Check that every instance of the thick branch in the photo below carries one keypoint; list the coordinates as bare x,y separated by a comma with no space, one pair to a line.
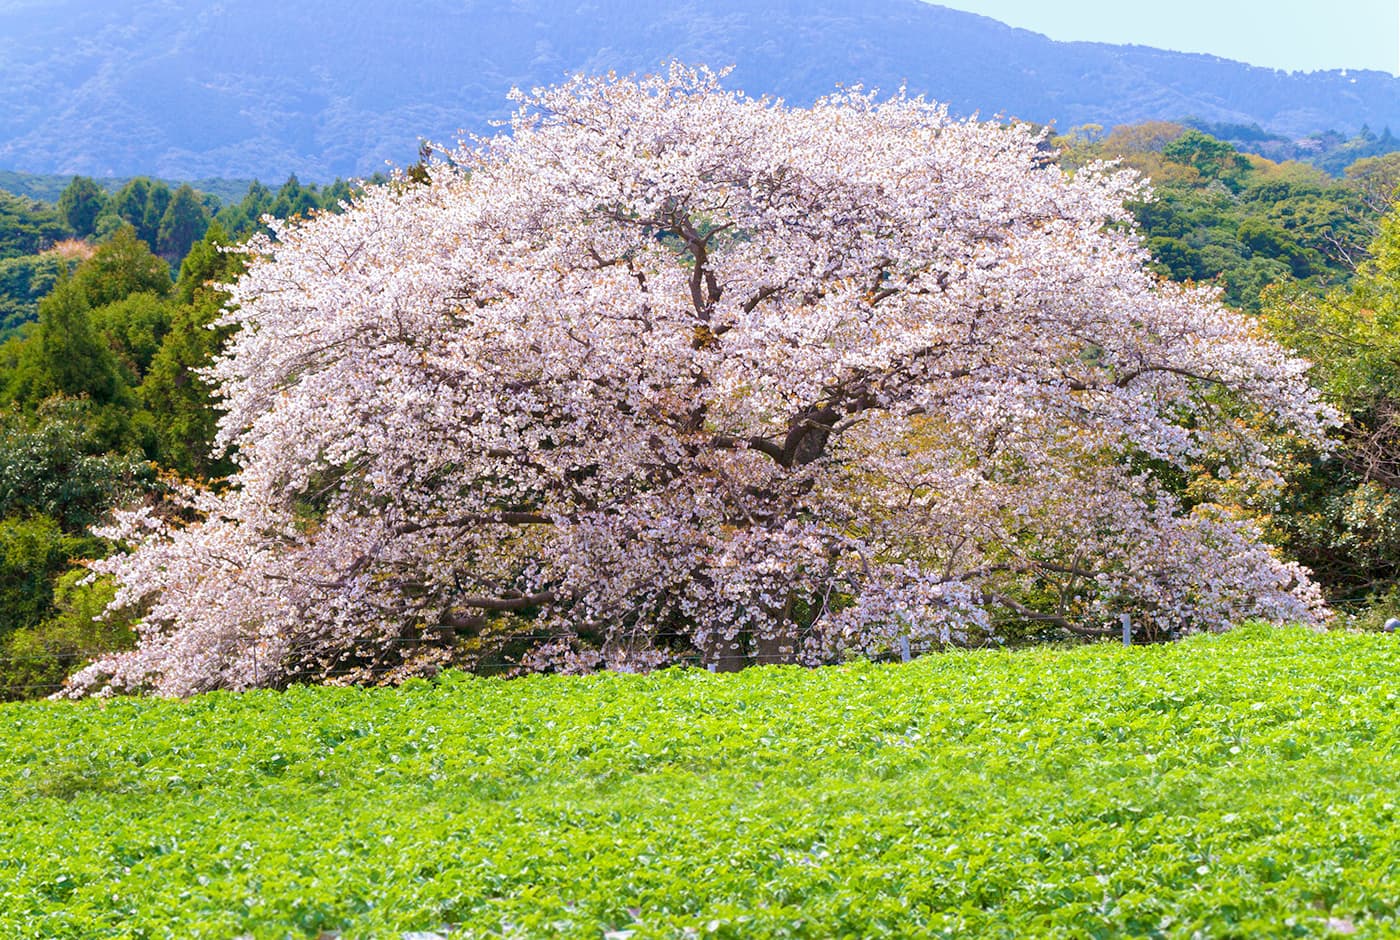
760,444
763,294
807,436
1127,378
1028,613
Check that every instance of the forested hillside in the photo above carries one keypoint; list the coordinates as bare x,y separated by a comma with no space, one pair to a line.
188,90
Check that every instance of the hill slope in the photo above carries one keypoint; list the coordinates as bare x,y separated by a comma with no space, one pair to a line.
1235,786
191,89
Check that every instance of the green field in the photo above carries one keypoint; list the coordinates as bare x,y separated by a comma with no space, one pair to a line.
1236,786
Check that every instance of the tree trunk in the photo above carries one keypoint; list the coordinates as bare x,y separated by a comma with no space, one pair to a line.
778,650
721,654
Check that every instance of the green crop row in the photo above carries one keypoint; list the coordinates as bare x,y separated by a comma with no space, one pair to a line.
1235,786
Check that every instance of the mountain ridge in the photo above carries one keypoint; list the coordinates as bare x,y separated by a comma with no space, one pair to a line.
189,89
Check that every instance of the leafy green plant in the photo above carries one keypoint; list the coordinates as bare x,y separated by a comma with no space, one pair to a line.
1234,786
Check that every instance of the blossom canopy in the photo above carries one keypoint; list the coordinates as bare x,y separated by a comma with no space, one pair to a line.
667,373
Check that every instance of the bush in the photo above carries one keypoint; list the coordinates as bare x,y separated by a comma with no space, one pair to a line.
34,661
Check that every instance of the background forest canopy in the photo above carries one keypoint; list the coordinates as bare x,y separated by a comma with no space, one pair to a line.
107,297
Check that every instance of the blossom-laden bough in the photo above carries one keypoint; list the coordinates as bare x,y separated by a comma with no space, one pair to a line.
667,373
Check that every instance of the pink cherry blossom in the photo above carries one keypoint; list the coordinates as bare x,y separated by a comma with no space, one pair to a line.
667,373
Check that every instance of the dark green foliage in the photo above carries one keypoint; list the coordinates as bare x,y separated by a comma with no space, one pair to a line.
207,266
27,227
58,477
49,187
80,204
122,266
1365,144
33,550
1213,159
105,379
183,224
243,216
1327,225
1330,151
293,199
24,281
339,191
128,206
177,398
141,203
1342,511
158,200
1236,133
57,463
1243,223
1264,239
96,335
65,355
34,660
133,329
170,222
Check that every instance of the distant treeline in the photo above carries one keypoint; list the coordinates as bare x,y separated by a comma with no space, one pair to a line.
40,241
47,187
1331,151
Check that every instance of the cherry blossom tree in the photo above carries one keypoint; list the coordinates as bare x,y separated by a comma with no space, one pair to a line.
670,374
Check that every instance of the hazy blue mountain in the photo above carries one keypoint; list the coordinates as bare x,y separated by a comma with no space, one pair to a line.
187,89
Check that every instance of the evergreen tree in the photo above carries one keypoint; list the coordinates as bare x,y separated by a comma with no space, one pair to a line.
80,205
121,267
133,328
32,553
183,224
54,464
177,397
293,199
243,217
336,193
27,227
1341,514
68,356
24,282
157,201
128,206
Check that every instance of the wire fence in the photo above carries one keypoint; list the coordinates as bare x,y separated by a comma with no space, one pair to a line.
487,666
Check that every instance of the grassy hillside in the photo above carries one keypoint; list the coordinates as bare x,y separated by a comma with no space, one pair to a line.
1224,787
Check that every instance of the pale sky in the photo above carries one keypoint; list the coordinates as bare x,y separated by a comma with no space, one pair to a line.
1286,34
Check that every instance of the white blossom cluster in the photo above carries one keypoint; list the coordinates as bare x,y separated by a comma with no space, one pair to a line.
667,372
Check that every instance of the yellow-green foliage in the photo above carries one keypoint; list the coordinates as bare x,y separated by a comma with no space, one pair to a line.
1341,515
1241,786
